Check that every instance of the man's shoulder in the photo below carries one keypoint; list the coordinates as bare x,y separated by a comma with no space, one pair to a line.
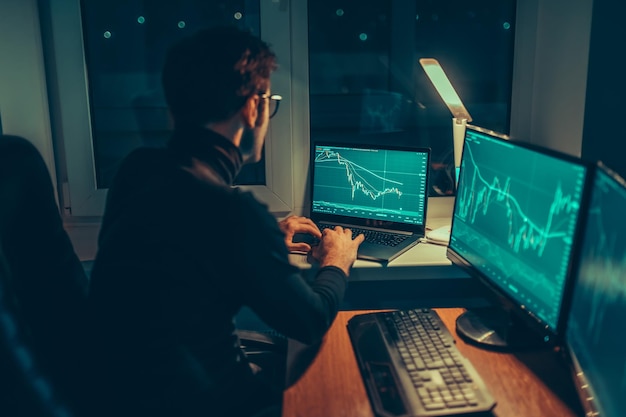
145,158
232,202
139,170
249,199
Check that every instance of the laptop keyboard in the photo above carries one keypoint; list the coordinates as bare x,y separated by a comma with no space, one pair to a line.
373,236
442,381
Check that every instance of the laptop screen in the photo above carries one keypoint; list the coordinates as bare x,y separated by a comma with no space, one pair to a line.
371,183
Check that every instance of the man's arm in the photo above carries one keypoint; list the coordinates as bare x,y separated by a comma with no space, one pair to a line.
279,294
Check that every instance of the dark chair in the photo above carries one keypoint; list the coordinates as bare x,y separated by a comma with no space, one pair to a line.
24,389
47,284
268,351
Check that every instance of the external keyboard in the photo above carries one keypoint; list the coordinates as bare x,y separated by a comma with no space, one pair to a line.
412,367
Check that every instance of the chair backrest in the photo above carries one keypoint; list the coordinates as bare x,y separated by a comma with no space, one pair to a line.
24,389
47,280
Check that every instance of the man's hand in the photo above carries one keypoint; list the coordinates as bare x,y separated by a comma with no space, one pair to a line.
301,225
337,248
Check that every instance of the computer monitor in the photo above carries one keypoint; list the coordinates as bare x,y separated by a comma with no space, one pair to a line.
595,328
515,221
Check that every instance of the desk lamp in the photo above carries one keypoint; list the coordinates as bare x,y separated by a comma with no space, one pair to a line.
460,118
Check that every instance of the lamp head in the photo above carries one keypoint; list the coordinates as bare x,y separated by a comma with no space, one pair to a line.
442,84
460,115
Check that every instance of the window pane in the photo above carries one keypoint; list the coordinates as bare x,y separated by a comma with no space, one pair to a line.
125,44
366,84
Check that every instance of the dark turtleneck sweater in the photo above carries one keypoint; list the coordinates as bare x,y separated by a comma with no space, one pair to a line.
178,257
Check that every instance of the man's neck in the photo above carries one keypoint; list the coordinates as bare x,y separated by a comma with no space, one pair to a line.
231,129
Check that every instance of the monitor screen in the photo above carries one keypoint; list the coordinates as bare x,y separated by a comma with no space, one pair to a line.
514,224
595,330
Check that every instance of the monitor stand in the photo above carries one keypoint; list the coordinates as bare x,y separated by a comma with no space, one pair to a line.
496,328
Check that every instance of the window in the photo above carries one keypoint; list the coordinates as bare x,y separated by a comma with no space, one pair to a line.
347,71
125,44
104,65
366,84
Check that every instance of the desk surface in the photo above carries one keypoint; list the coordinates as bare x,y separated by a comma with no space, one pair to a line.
422,276
530,384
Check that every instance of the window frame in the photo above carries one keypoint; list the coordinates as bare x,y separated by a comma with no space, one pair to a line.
74,130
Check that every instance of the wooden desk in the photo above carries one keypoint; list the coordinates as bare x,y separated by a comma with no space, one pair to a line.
532,384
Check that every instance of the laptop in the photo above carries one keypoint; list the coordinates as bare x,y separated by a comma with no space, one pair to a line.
381,190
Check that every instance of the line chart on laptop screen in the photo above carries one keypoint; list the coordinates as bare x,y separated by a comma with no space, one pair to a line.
390,184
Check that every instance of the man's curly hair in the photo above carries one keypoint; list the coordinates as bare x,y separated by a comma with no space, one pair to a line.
207,77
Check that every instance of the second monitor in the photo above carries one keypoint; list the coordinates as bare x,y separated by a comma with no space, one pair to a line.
594,338
515,220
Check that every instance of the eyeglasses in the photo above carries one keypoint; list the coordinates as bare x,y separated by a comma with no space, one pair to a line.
274,102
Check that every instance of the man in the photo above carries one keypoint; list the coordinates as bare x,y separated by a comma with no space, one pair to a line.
181,250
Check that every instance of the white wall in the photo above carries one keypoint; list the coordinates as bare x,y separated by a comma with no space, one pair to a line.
23,96
550,77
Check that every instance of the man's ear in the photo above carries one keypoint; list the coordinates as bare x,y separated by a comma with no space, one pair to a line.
250,111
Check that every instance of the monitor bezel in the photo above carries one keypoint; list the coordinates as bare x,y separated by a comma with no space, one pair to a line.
546,336
418,228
